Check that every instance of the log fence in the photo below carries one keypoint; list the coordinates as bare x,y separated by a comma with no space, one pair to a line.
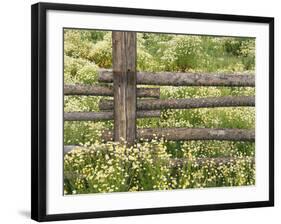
99,90
184,134
105,115
131,102
185,79
190,103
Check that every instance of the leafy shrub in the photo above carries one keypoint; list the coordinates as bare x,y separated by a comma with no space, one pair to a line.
101,52
79,71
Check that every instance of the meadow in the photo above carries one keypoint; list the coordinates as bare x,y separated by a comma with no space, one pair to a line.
95,166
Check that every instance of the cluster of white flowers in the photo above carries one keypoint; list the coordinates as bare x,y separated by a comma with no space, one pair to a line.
112,167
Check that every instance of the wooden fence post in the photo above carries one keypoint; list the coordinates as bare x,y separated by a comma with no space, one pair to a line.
124,85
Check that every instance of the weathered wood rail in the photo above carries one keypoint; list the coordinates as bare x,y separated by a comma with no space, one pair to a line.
185,79
105,115
189,103
184,134
179,162
98,90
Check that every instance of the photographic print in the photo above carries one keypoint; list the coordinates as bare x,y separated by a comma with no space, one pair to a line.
140,111
194,112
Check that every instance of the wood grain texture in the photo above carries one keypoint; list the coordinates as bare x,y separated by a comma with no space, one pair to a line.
105,115
124,85
189,103
185,79
184,134
179,162
217,161
98,90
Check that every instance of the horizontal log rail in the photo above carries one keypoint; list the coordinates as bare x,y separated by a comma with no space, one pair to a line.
69,148
185,134
179,162
185,79
106,115
176,162
97,90
189,103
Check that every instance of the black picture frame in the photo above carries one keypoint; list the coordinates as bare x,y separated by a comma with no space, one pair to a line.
38,108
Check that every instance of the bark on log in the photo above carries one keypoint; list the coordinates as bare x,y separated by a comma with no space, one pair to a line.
175,164
96,90
106,115
178,162
185,79
151,104
69,148
124,57
185,134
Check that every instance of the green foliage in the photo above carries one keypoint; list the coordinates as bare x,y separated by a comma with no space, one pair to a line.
165,52
94,46
101,52
78,70
106,167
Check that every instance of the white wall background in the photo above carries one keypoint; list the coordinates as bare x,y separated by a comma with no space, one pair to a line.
15,110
